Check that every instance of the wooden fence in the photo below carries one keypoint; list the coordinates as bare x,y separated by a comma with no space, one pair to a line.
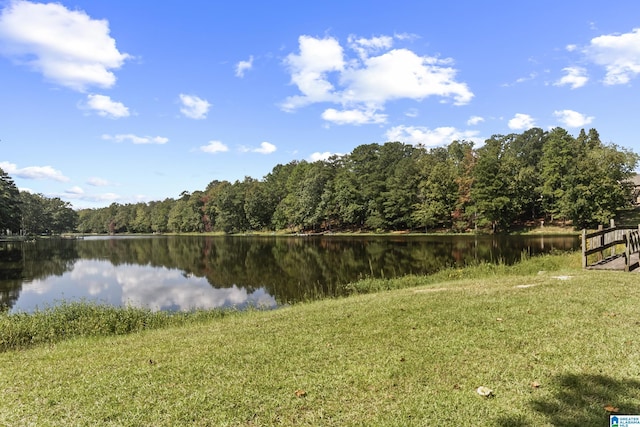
609,244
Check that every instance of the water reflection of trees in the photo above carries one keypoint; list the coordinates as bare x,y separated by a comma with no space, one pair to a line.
22,262
295,268
289,268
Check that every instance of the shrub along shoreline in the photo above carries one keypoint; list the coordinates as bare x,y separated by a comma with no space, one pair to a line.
557,345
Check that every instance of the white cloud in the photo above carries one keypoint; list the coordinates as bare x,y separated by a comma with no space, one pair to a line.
571,47
214,147
103,197
135,139
353,117
75,190
400,73
530,77
194,107
365,82
106,107
619,54
91,200
474,120
519,80
265,148
243,66
314,157
418,135
97,182
365,47
33,172
412,112
67,46
575,77
406,36
572,119
521,122
308,70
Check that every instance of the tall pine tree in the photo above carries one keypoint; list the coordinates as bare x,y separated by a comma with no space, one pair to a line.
9,204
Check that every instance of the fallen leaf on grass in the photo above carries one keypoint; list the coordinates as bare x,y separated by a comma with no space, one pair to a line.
300,393
499,319
484,391
535,384
611,408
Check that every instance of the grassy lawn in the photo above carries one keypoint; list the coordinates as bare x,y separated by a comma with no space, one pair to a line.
557,346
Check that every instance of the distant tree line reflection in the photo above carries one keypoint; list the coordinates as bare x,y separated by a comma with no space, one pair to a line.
288,268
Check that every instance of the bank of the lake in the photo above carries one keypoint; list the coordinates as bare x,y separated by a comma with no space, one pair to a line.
557,345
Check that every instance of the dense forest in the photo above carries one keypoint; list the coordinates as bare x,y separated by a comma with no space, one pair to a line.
27,213
511,180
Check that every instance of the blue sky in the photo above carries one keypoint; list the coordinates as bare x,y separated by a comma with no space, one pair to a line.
106,101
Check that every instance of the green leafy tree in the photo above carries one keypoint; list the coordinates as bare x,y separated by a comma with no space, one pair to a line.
372,166
464,161
33,213
60,215
349,203
597,189
286,214
309,208
142,218
258,206
47,215
522,157
493,191
400,195
228,203
160,215
328,209
9,204
558,163
186,213
277,188
437,189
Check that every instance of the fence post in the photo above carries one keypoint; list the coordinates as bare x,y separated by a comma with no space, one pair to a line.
601,253
627,250
584,247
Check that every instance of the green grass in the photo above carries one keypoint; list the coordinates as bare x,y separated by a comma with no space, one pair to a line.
408,356
86,319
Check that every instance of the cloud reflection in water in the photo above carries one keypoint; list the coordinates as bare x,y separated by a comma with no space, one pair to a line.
156,288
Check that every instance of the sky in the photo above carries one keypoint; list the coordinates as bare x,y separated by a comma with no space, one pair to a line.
114,101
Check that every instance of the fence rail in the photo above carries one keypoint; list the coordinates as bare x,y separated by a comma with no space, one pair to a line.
610,243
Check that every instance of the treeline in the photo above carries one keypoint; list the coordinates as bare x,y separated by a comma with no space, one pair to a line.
512,179
26,213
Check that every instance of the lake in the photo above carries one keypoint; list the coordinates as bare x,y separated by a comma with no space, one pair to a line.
201,272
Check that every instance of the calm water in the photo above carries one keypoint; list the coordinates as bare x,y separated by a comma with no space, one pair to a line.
188,272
